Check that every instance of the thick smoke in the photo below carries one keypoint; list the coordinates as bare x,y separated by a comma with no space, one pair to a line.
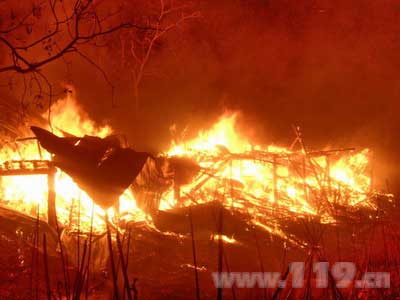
329,66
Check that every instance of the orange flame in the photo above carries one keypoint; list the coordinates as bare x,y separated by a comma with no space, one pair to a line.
254,179
28,194
250,178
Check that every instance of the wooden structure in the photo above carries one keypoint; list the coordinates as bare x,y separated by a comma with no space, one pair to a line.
35,167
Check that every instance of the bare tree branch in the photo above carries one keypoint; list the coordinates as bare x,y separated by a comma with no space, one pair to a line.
163,25
63,28
82,13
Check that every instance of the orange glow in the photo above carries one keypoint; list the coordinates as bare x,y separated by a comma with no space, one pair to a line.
255,180
28,194
224,238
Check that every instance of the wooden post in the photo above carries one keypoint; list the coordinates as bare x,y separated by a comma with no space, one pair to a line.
372,182
304,171
275,179
51,197
328,175
177,193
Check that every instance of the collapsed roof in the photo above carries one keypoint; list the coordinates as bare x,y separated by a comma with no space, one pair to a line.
100,166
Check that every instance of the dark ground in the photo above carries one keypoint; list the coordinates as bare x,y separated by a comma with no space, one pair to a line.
162,260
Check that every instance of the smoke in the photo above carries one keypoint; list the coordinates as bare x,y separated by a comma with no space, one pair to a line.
329,67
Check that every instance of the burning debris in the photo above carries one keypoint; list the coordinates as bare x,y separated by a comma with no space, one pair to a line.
228,190
101,167
218,165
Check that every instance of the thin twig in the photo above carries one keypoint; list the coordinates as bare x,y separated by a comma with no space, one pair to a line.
46,267
196,275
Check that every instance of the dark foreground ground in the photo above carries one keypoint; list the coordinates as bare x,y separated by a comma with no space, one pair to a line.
159,259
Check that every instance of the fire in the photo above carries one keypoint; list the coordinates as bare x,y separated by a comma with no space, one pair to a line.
28,194
224,238
67,115
253,179
257,180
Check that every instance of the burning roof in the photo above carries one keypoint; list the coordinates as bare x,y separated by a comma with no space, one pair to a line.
101,167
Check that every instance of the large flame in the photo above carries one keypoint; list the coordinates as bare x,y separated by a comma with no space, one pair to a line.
253,179
28,194
256,179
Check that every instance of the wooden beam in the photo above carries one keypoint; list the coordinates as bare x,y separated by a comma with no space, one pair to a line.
36,167
51,198
25,167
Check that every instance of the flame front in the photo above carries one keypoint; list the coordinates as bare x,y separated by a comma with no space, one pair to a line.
255,180
28,194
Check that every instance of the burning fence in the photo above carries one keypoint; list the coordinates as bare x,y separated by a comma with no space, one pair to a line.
219,164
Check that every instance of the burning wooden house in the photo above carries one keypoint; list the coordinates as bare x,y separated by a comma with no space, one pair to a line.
217,188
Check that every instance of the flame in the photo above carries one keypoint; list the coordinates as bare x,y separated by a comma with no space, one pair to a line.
66,114
259,181
224,238
28,194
